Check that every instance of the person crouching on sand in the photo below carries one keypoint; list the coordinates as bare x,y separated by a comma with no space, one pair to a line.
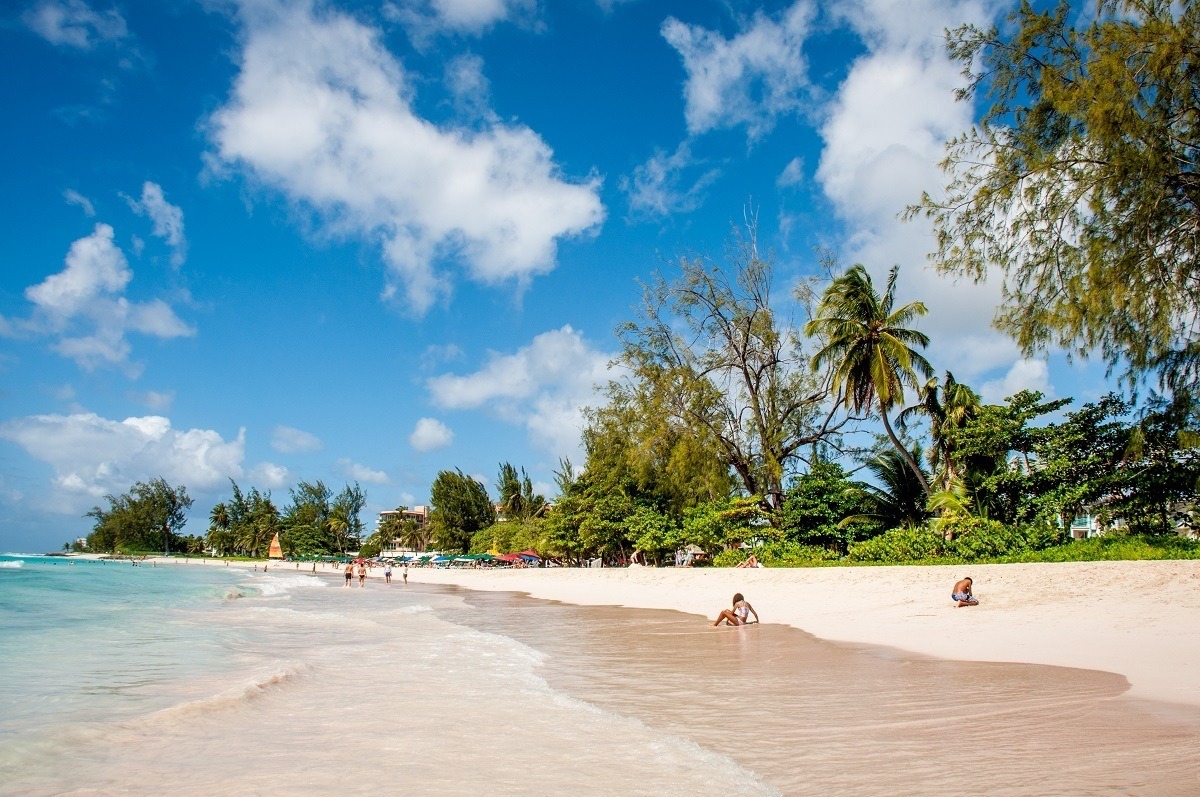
739,614
962,593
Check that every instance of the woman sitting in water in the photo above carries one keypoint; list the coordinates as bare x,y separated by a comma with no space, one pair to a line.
740,613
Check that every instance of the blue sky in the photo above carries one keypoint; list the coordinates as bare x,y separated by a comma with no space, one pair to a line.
275,240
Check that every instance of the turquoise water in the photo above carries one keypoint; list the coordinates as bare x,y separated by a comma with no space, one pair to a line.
84,638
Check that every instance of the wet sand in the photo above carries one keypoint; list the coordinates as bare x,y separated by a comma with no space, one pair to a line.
818,717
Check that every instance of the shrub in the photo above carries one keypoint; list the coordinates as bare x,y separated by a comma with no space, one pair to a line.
900,545
780,553
977,538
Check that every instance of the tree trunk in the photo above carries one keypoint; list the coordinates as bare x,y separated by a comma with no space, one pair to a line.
904,452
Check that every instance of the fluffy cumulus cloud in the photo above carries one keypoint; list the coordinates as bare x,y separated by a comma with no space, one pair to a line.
751,79
92,456
269,475
543,387
166,218
430,434
659,187
884,134
73,23
321,111
85,307
361,473
288,440
1025,374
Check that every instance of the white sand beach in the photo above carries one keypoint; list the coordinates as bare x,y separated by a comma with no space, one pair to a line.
1138,619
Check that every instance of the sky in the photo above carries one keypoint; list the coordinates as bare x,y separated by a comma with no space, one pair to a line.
274,240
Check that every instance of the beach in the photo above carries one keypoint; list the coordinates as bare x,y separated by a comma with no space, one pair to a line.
186,677
1138,619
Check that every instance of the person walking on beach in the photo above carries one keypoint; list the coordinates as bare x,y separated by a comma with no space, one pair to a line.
362,574
387,573
962,593
349,572
404,574
739,614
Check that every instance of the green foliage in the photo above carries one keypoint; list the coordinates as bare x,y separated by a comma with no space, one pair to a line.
511,536
967,539
780,553
818,503
518,501
1081,183
461,507
147,518
897,498
1118,547
717,383
652,532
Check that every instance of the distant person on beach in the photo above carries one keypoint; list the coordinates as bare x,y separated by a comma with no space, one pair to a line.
962,593
387,573
362,574
404,573
751,562
739,614
349,572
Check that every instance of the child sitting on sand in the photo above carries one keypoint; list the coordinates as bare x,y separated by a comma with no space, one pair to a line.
962,593
740,613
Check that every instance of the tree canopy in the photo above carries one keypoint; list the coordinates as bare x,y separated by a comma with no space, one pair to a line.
1081,184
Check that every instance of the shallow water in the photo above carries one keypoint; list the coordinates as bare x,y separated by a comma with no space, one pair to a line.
202,680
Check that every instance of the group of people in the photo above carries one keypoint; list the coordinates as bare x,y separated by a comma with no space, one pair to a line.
961,594
360,567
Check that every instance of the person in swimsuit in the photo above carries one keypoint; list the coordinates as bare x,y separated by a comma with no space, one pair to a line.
404,573
962,593
362,574
739,614
387,573
349,572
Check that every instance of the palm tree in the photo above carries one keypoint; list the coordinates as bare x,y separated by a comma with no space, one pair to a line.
870,346
949,407
899,498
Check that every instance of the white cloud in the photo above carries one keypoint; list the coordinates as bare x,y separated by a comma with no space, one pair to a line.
424,18
751,79
469,86
287,440
269,475
543,387
159,401
884,134
361,473
792,174
1024,374
87,297
656,189
92,456
167,219
75,198
73,23
430,434
321,111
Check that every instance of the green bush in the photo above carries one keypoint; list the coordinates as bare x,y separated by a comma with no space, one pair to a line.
778,554
1118,547
900,545
975,539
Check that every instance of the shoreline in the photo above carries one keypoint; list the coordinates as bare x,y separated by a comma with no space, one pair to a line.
1138,619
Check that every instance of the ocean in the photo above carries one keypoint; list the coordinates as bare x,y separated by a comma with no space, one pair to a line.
202,680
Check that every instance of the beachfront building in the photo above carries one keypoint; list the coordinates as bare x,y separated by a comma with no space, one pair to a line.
419,515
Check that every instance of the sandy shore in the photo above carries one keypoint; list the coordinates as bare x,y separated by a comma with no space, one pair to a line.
1139,619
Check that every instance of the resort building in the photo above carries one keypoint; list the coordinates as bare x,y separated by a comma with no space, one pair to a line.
419,515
